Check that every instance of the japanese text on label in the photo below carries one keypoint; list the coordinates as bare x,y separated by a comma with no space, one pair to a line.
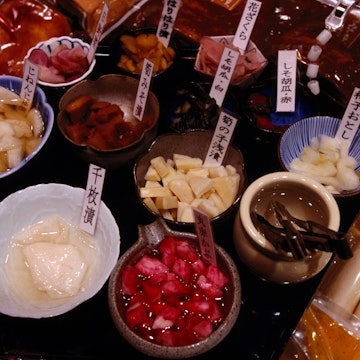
205,236
221,139
167,20
351,120
223,75
286,81
99,30
246,25
92,199
29,82
143,89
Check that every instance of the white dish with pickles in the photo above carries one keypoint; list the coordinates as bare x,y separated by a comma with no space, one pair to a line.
48,265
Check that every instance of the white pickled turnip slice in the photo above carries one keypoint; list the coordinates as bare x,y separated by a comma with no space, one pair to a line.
20,128
35,119
8,142
6,129
9,97
15,156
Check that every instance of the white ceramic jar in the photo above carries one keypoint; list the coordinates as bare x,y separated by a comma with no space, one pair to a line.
304,198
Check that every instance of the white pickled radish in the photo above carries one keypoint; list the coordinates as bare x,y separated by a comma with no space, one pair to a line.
314,86
312,71
314,53
8,142
326,161
21,128
310,155
35,118
15,156
347,178
9,97
328,144
324,37
6,129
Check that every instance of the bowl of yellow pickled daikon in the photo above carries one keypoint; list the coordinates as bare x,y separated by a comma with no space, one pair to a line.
137,44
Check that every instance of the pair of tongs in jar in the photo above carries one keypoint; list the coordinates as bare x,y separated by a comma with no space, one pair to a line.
299,236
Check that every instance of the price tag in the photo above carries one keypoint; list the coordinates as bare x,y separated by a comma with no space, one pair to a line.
204,233
221,139
167,20
92,199
223,75
28,85
351,120
286,81
99,29
246,25
143,89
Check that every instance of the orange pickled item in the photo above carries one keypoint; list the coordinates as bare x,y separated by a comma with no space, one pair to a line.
328,339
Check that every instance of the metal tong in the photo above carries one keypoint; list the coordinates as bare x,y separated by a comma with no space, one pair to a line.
300,237
336,18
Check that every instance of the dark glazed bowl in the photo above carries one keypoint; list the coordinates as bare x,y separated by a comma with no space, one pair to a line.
120,90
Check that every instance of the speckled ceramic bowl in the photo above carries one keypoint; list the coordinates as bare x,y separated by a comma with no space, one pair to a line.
193,143
150,236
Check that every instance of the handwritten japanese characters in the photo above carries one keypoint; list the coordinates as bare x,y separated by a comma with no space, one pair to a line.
92,200
246,25
28,86
223,75
167,20
286,81
143,89
221,139
351,119
206,239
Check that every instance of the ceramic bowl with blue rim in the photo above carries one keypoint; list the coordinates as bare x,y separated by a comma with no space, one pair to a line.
11,128
51,48
302,133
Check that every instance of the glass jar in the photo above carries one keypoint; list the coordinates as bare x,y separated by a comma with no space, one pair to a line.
330,326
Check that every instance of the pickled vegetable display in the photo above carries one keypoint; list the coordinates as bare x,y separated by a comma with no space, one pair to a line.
20,130
171,296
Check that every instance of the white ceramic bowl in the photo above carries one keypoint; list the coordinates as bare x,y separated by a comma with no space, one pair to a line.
48,47
304,198
150,236
30,205
13,83
299,135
